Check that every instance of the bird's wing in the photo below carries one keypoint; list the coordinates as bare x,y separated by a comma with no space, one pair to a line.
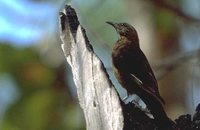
147,89
133,63
138,81
143,74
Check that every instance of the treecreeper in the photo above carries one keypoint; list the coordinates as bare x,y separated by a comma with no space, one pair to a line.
134,72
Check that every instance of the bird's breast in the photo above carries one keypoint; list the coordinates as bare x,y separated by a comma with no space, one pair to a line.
122,55
119,75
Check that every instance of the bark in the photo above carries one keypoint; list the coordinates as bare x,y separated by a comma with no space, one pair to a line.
97,96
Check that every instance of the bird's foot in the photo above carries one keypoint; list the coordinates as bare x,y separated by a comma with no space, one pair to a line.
129,98
145,110
136,104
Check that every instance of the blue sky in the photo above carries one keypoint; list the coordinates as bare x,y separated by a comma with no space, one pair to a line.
24,22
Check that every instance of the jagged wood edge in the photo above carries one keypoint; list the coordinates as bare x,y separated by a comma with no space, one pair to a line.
97,96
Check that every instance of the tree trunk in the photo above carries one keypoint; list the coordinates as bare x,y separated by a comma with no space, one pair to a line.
97,96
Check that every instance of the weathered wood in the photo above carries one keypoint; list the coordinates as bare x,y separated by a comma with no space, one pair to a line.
103,109
97,96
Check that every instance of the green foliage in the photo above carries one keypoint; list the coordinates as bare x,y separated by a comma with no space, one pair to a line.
45,102
165,21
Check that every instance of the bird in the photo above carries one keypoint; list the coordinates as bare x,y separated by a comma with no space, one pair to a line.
134,72
130,65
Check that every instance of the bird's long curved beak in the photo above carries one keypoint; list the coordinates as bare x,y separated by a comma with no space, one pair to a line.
111,23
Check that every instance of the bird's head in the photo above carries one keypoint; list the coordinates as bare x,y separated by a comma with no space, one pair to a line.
126,30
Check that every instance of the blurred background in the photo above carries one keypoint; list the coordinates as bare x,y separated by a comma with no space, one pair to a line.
37,91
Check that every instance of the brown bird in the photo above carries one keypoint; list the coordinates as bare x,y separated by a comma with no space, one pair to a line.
134,73
130,65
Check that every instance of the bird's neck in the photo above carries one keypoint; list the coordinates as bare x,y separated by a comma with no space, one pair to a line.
133,40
